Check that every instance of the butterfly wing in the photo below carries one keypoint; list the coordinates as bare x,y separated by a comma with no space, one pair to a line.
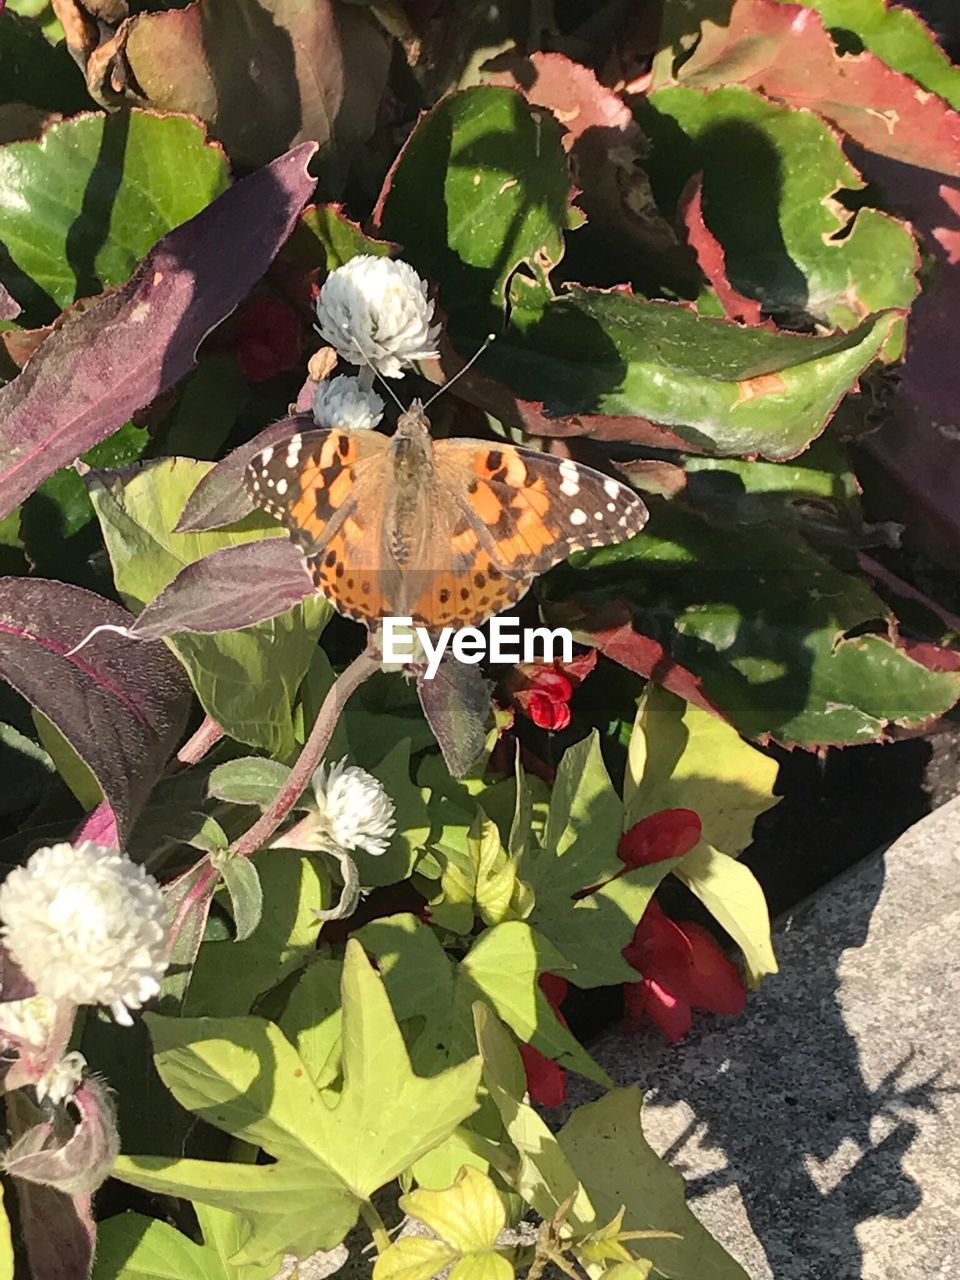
508,515
327,488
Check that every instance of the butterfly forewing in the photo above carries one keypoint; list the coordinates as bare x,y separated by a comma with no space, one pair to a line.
456,540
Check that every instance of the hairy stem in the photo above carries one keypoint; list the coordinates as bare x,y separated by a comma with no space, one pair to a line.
196,747
301,773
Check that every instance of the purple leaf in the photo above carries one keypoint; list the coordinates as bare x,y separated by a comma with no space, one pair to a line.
220,498
456,703
98,826
228,589
58,1229
90,375
121,706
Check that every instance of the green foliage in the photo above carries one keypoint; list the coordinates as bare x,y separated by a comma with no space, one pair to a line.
95,193
359,998
246,680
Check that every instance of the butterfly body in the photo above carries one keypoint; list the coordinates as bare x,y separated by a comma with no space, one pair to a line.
447,532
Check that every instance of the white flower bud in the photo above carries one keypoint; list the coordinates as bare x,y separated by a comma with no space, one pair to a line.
86,925
61,1081
342,402
376,310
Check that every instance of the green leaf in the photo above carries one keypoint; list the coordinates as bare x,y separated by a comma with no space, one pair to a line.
545,1178
413,1258
479,880
246,896
771,177
230,975
718,386
896,35
249,780
759,623
131,1246
732,894
501,968
481,186
78,776
682,757
326,237
94,194
606,1147
311,1020
582,831
467,1218
242,1075
411,817
584,821
246,680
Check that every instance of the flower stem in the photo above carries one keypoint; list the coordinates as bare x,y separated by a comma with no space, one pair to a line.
371,1216
350,679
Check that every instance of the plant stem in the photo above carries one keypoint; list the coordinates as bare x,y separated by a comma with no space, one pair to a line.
371,1216
350,679
196,747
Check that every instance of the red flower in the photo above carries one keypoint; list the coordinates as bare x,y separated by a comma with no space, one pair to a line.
668,834
268,338
546,1079
683,968
543,690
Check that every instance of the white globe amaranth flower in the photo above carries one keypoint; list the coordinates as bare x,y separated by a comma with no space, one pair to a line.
376,310
342,402
353,810
86,925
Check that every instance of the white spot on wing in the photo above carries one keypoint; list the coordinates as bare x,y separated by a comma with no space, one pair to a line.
577,516
611,488
293,451
569,478
281,487
266,455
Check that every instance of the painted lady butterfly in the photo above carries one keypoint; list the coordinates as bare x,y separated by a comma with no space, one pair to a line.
447,532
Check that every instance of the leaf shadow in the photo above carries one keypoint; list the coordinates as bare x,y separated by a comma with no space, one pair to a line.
90,229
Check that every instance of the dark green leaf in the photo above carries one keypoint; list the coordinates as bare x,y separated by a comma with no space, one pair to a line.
94,194
481,187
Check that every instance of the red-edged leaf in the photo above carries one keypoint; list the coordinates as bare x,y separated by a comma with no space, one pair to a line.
712,259
785,51
220,498
228,589
89,376
121,706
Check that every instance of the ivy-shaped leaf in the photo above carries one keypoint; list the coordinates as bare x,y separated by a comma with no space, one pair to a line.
243,1076
466,1220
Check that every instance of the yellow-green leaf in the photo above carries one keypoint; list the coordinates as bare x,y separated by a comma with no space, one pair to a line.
684,758
732,894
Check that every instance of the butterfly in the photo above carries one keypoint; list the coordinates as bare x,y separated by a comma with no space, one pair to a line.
446,532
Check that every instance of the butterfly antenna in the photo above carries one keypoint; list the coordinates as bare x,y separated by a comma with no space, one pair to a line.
491,337
370,365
